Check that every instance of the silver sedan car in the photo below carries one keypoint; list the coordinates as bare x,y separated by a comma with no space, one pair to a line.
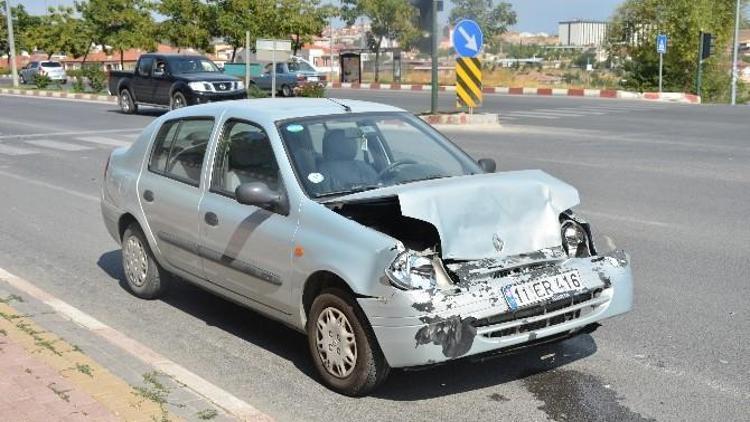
361,226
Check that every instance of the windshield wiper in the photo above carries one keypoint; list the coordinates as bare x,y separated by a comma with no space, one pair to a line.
353,189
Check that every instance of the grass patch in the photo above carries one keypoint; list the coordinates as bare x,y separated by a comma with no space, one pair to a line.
3,332
207,414
85,369
11,298
38,340
155,391
9,317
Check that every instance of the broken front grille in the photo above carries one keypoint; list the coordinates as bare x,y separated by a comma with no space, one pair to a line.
541,316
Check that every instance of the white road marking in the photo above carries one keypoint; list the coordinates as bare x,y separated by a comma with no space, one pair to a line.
12,150
535,116
101,140
61,146
69,133
50,186
573,111
639,221
221,398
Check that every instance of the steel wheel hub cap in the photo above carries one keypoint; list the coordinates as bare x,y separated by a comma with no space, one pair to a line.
337,346
135,262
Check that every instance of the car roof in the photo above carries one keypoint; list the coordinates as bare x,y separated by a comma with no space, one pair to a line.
276,109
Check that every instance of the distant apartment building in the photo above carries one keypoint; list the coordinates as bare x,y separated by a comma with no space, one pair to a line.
583,33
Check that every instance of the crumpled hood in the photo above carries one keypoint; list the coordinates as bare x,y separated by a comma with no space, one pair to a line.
522,207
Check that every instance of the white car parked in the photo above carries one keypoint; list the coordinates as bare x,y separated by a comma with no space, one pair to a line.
54,70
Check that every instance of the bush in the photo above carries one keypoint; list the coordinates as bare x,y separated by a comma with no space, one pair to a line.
41,81
78,84
96,76
311,90
254,92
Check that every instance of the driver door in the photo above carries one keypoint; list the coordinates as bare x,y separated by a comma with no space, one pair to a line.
246,249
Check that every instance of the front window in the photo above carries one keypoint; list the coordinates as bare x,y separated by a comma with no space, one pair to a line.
244,155
193,65
341,154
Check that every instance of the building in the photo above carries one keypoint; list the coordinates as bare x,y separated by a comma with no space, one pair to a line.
583,33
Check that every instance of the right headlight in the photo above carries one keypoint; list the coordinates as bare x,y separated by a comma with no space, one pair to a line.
575,239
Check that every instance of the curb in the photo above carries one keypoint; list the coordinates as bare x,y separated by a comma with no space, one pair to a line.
58,94
544,92
463,119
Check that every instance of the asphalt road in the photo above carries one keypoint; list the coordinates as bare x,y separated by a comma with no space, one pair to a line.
669,183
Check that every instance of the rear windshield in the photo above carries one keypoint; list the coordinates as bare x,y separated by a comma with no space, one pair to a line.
51,64
296,66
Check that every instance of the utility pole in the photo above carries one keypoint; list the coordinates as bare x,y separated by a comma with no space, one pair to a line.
247,60
11,44
435,87
330,78
735,53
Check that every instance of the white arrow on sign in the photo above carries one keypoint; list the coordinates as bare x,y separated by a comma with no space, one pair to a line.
471,40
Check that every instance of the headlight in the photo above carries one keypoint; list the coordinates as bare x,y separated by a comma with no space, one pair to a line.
240,85
200,86
410,271
575,239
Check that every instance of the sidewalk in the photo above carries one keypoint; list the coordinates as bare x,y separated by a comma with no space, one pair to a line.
44,377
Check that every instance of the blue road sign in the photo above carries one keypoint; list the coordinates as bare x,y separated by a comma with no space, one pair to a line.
467,38
661,44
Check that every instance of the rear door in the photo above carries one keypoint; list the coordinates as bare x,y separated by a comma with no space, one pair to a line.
170,192
142,80
247,249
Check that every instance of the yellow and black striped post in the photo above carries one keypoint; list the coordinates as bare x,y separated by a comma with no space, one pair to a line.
468,82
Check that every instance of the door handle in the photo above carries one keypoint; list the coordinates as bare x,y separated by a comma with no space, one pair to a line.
148,196
211,219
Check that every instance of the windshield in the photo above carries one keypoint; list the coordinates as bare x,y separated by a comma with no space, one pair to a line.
51,64
297,66
341,154
192,65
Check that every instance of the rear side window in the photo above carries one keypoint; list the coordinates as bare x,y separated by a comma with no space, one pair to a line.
180,148
144,66
51,64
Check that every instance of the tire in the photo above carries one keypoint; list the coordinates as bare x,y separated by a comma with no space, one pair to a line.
23,79
286,91
177,100
144,276
369,367
127,104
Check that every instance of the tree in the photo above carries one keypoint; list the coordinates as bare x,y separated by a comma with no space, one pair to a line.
494,19
389,19
60,32
187,23
632,43
301,20
120,24
234,17
22,20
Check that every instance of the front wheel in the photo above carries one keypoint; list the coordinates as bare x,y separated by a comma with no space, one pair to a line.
127,104
144,276
177,101
343,346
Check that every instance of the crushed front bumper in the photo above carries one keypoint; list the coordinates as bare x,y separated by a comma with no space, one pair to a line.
420,327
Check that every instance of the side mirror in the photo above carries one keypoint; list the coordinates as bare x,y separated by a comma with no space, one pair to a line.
260,195
488,165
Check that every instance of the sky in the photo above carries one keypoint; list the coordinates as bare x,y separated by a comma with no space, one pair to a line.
533,15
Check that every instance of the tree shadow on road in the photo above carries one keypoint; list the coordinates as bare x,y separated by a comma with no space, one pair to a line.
403,385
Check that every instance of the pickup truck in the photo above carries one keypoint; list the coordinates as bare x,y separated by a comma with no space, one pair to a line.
289,77
174,81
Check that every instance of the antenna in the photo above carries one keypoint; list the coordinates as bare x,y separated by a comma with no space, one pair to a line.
345,107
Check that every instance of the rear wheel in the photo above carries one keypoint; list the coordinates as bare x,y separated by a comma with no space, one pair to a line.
127,104
286,91
23,79
144,276
343,346
177,101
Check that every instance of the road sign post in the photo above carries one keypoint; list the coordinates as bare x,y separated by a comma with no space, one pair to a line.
273,50
11,44
661,48
467,41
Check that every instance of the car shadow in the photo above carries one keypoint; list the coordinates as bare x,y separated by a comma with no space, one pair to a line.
143,111
402,385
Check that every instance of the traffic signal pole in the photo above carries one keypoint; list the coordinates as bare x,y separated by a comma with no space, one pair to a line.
435,87
11,44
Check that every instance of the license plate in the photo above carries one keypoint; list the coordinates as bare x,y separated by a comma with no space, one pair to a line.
539,290
312,78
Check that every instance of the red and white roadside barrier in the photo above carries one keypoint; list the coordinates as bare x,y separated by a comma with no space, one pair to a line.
550,92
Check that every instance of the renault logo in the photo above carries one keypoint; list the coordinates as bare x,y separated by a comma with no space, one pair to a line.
497,242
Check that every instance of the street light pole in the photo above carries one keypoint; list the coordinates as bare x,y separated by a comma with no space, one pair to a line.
735,53
434,96
11,44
